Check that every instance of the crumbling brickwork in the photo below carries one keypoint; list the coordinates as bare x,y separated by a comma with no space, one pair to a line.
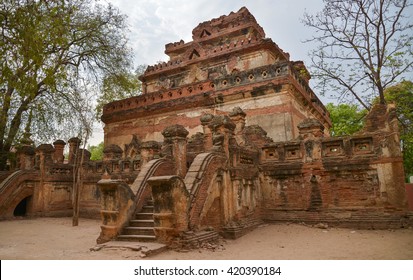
226,134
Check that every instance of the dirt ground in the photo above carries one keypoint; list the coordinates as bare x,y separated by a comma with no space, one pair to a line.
56,239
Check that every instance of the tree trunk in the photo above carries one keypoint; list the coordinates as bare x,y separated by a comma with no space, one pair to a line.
4,156
381,95
78,183
3,160
75,219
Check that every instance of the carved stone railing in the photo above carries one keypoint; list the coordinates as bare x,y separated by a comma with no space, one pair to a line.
372,159
12,190
171,203
197,181
335,148
120,201
243,156
141,188
117,201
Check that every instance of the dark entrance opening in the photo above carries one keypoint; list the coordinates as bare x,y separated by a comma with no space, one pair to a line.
21,208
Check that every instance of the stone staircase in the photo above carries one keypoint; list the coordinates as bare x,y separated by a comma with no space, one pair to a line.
141,228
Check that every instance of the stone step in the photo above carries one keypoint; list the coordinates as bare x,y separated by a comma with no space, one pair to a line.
140,228
147,209
144,216
193,238
138,231
141,223
137,238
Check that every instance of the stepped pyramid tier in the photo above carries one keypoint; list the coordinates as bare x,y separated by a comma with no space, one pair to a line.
229,63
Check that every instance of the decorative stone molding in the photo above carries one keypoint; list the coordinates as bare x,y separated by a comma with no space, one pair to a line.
175,147
149,150
74,144
310,128
206,119
117,199
112,152
59,146
25,157
171,204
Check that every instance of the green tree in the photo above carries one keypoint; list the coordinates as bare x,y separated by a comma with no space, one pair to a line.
402,95
119,86
346,119
53,56
363,46
96,151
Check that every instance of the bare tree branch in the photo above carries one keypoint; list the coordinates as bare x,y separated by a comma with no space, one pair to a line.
363,47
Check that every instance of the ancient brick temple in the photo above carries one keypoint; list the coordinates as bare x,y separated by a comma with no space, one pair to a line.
226,134
229,63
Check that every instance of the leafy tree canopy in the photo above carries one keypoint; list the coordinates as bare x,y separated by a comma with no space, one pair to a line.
346,119
53,57
96,151
119,86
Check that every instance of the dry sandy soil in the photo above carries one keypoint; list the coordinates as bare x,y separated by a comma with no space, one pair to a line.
56,239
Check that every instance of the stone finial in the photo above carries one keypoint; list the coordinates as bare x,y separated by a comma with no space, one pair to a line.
310,128
150,145
206,119
45,148
59,143
237,115
59,146
222,121
74,144
176,130
112,148
222,133
237,111
174,146
45,152
74,140
112,151
149,150
25,155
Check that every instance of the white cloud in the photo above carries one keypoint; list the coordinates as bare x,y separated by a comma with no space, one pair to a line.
154,23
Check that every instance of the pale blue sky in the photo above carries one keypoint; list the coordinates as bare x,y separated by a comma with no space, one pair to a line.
154,23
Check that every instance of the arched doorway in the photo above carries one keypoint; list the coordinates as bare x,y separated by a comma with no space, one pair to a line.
21,208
